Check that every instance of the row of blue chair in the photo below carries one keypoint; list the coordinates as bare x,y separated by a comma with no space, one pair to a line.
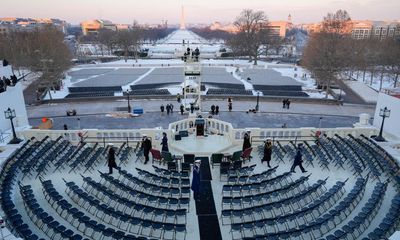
144,189
44,221
98,189
148,177
295,201
247,176
135,225
278,215
354,228
257,187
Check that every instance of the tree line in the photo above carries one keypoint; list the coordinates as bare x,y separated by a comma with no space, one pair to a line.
332,52
125,42
40,50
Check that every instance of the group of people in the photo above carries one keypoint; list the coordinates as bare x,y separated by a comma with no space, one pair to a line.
286,103
169,108
214,109
7,82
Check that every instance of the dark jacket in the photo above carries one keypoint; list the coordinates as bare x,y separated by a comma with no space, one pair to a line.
196,179
146,145
298,158
164,143
111,158
246,142
267,152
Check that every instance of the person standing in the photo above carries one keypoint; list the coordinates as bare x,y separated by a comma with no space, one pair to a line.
267,152
168,108
298,161
146,145
196,180
213,109
246,141
287,103
182,109
162,109
178,98
284,103
171,108
230,104
164,143
111,159
65,127
216,110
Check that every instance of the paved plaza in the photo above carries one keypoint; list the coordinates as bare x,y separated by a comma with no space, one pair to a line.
271,115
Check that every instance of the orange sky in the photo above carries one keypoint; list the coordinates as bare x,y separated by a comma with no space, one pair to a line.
197,11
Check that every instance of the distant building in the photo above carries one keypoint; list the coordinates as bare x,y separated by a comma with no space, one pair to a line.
29,24
279,28
93,26
365,29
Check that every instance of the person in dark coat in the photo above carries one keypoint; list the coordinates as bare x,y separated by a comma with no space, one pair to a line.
196,180
162,109
164,143
284,103
146,145
168,107
298,160
171,108
111,159
191,107
182,109
246,141
178,98
65,127
267,152
213,109
216,110
287,103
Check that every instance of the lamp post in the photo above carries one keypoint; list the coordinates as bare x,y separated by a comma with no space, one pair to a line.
128,92
258,100
384,113
10,114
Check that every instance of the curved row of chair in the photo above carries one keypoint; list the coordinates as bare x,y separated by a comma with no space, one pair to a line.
257,198
140,188
169,173
155,179
8,178
49,226
277,214
355,227
102,191
390,222
134,225
296,201
244,175
259,187
307,229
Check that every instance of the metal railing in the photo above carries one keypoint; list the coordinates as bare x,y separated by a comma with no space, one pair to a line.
114,140
294,139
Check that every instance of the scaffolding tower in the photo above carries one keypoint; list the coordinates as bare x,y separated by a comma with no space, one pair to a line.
192,86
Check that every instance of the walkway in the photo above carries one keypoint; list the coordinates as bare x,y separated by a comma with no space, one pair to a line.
205,208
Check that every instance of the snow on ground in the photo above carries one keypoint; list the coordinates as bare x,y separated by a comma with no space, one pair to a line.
387,82
367,93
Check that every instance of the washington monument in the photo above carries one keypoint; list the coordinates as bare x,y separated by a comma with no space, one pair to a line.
183,25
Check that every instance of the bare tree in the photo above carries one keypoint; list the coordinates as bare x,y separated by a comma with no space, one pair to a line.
327,52
40,50
252,32
107,38
129,41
